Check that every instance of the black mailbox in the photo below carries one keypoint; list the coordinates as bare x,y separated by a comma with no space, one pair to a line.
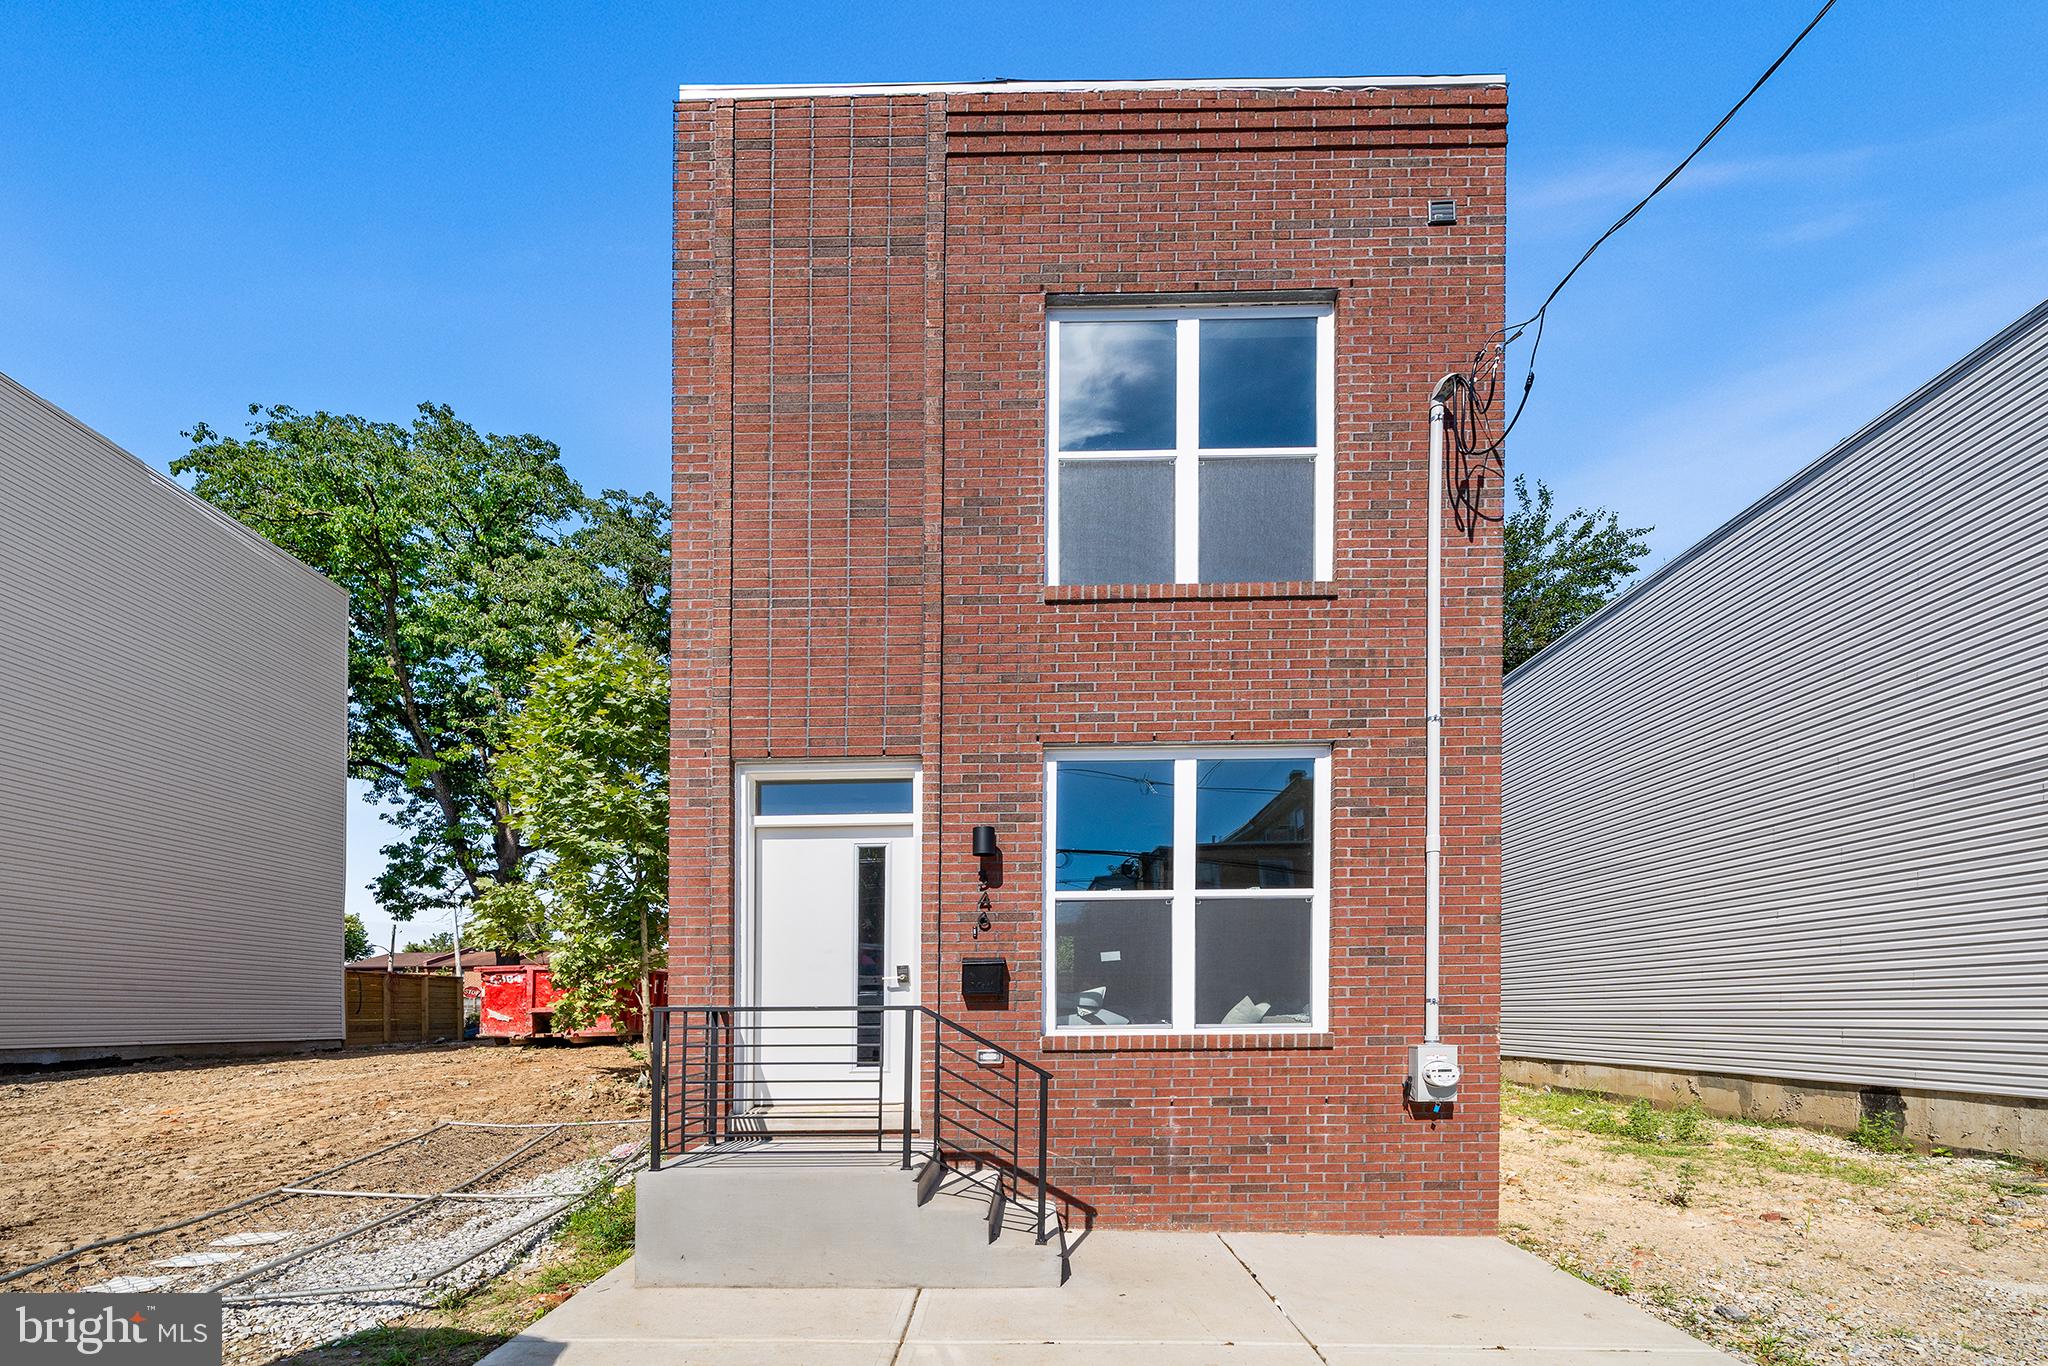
984,978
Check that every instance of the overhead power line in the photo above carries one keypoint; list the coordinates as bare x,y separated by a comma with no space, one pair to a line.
1479,384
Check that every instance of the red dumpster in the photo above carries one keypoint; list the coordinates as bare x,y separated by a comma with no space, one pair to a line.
516,1001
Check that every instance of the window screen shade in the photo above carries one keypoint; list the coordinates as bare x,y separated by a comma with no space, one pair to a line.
1258,520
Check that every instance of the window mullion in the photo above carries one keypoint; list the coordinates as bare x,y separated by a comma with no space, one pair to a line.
1187,437
1184,771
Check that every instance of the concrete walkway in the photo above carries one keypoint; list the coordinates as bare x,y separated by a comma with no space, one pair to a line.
1145,1299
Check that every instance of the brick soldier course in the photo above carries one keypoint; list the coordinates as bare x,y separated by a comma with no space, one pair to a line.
861,286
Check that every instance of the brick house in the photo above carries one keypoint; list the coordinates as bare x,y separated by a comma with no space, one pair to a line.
1054,458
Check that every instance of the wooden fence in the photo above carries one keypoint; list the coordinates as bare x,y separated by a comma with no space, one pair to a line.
400,1007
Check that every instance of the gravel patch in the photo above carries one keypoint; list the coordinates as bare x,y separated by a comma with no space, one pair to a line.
493,1197
411,1250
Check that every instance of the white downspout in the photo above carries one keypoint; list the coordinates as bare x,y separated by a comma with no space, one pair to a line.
1433,722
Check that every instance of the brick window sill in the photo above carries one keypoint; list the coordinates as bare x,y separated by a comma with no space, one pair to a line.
1110,1041
1188,592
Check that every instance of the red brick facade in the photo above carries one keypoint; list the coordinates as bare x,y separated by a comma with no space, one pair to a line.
860,307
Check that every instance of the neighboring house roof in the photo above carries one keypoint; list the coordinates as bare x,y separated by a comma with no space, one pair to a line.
1626,600
161,480
763,92
443,960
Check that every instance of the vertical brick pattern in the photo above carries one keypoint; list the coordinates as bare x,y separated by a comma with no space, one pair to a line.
700,690
996,201
828,250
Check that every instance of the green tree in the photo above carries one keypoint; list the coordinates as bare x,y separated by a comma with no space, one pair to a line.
355,938
1559,570
584,771
441,941
464,556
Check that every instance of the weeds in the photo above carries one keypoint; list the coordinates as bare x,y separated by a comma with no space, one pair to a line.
1772,1349
1688,1185
1611,1279
1641,1124
1689,1126
593,1240
397,1345
1738,1150
1881,1132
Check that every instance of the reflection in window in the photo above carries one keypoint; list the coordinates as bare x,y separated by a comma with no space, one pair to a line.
1258,382
1253,823
833,797
1113,963
1116,386
1190,445
1115,826
870,920
1252,961
1187,890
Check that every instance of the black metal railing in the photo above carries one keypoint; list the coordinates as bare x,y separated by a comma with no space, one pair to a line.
727,1079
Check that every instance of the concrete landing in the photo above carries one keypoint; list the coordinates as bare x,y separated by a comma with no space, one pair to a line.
782,1216
1148,1299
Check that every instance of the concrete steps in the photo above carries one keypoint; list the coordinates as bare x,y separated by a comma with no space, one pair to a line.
791,1214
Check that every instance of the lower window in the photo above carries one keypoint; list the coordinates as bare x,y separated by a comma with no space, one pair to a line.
1188,890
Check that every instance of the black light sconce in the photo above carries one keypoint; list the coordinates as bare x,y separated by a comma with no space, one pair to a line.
984,850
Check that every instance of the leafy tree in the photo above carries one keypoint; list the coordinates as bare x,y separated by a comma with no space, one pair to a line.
464,556
355,938
1560,569
441,941
584,772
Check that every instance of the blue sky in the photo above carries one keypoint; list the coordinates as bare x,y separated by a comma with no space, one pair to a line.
359,207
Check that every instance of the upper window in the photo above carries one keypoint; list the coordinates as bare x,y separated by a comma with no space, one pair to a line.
1190,445
1188,891
832,797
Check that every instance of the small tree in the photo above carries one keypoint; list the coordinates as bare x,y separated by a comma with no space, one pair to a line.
355,938
1559,570
440,941
584,772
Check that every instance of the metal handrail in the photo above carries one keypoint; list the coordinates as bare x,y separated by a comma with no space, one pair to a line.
697,1102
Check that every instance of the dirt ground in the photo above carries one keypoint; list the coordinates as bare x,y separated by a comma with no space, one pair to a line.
1781,1246
90,1153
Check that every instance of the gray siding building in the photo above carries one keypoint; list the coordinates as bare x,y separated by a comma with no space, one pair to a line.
1775,822
173,718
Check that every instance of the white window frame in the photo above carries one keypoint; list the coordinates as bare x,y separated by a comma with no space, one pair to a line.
1186,453
1184,893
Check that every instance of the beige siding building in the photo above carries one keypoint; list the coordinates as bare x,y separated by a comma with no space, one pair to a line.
1775,822
173,718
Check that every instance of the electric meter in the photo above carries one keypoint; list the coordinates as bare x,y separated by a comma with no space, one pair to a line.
1433,1073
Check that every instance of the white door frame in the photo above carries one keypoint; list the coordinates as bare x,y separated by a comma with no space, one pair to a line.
746,975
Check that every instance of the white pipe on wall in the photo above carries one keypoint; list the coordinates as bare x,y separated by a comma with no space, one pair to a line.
1433,722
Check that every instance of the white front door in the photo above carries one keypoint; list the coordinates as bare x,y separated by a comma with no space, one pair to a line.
835,925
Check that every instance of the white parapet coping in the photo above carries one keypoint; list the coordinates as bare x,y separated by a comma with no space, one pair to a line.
770,92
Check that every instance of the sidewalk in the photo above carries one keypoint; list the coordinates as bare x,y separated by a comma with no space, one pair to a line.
1145,1299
